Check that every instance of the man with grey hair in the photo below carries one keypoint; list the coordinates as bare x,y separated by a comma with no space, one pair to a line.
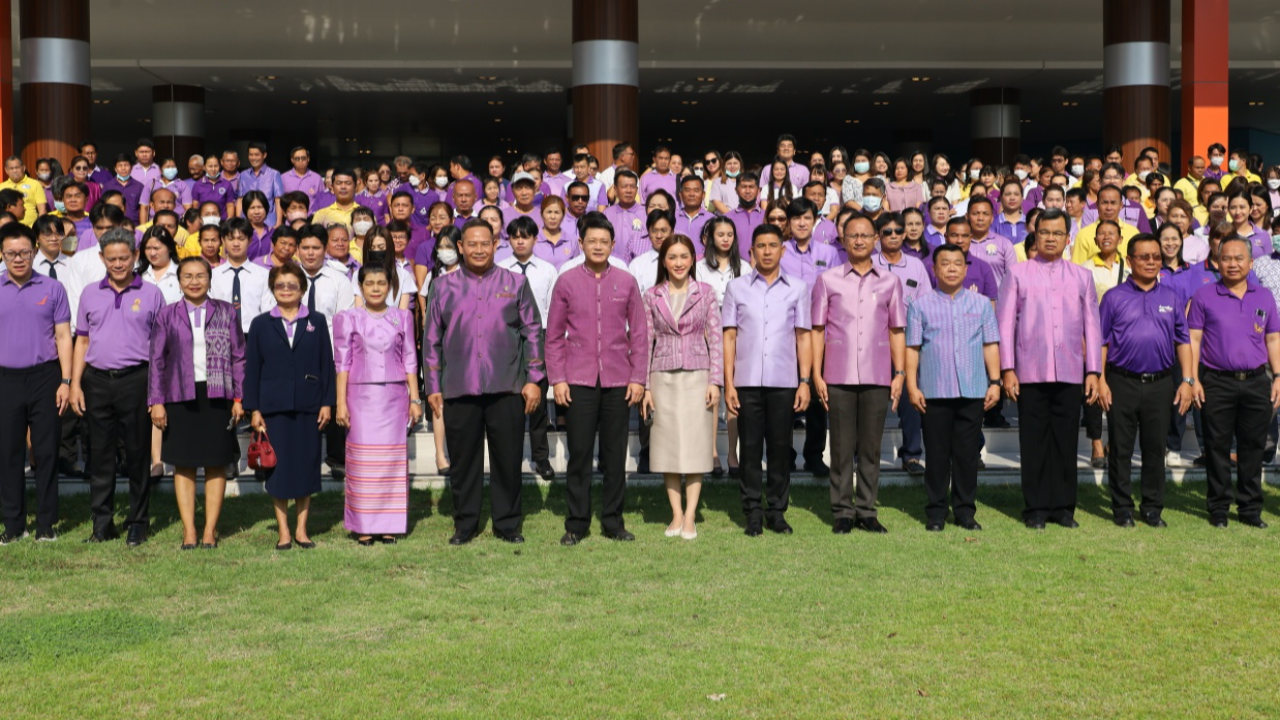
109,383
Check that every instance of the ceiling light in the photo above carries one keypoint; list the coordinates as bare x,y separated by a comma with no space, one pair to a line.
101,102
488,77
497,119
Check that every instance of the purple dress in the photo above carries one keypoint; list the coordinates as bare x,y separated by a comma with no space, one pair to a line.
376,353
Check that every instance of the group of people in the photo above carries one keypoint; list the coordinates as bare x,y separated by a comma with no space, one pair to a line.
147,317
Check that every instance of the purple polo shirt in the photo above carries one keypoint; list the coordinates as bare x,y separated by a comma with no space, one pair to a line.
996,251
1013,230
798,174
766,317
558,253
266,181
101,175
118,325
628,225
422,202
933,237
746,221
601,319
219,191
910,271
1235,329
376,203
655,181
259,241
691,227
806,265
145,177
132,191
309,184
1140,328
28,315
1189,281
978,277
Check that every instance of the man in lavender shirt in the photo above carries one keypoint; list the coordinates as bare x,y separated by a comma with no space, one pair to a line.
482,360
692,216
748,215
1050,341
627,216
805,259
301,178
858,354
109,384
767,360
597,363
661,177
798,173
262,178
35,378
145,171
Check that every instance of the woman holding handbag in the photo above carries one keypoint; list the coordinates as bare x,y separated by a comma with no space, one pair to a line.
289,387
196,375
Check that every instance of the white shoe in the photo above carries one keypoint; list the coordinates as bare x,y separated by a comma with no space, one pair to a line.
1173,459
671,533
689,535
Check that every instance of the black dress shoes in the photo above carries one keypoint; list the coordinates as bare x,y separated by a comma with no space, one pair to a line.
1035,523
570,539
461,537
1068,522
1218,521
933,526
1124,520
1154,520
1253,521
843,526
137,535
969,524
871,525
545,471
780,526
817,467
621,535
754,529
106,535
514,538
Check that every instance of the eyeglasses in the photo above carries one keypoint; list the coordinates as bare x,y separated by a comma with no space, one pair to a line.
299,157
1148,257
578,198
80,167
778,219
21,254
892,231
287,286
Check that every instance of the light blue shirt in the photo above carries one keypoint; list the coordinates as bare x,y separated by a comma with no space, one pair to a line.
950,332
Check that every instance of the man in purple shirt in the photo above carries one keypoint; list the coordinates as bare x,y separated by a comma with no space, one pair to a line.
145,171
627,216
1235,339
799,174
661,178
858,353
1050,341
804,258
127,186
824,230
1144,342
262,178
748,215
482,360
301,178
464,201
98,174
35,377
767,360
692,216
109,384
597,363
987,245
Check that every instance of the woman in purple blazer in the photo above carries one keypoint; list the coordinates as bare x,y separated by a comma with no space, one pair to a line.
196,376
686,372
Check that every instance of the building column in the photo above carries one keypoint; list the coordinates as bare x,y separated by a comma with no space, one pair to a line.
6,78
1204,78
1135,65
54,38
606,75
995,124
177,122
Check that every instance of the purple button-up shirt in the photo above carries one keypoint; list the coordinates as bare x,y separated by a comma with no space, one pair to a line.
996,251
1235,328
118,325
826,232
1141,327
309,184
691,227
132,191
145,177
806,265
28,314
266,181
746,222
557,253
766,317
628,228
951,332
655,181
483,334
219,192
1049,325
601,318
856,313
910,271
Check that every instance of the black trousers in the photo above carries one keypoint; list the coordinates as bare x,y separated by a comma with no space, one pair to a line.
857,427
72,427
1140,412
27,400
1092,419
764,422
603,412
952,439
815,433
1239,409
335,445
473,419
1048,425
538,426
116,407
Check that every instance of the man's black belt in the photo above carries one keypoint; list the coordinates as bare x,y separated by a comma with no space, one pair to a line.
1235,374
1140,377
120,372
44,366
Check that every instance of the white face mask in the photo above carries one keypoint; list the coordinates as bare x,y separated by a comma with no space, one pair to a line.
441,181
1143,175
1077,170
414,180
448,258
1216,161
862,168
1274,184
975,174
296,215
870,203
1022,174
362,226
697,171
44,176
210,219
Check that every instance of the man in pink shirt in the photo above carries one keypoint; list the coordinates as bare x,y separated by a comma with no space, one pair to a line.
662,177
1050,341
858,354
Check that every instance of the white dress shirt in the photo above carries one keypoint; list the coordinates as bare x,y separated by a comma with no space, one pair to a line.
644,268
255,297
332,296
167,282
41,264
86,269
199,352
541,277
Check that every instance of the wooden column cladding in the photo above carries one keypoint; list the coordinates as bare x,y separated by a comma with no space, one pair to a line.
606,88
1136,100
54,43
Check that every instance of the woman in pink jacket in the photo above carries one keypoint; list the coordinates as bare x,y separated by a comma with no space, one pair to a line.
686,372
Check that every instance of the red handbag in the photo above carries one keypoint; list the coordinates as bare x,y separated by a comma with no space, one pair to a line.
261,455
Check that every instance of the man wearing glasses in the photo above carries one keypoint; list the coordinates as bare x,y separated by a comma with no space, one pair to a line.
1144,342
35,374
301,178
1047,308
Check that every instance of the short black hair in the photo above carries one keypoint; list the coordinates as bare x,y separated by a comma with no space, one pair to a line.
594,220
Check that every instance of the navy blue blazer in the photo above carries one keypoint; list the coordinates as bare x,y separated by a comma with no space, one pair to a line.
279,378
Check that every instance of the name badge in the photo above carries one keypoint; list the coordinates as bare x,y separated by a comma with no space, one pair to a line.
991,248
912,283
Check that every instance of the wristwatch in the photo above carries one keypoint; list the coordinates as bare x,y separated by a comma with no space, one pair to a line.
416,402
897,373
66,381
804,380
994,383
1189,381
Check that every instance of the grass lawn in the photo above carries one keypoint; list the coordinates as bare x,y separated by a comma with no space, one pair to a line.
1092,623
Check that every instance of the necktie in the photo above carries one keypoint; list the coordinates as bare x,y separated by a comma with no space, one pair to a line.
53,269
524,268
311,294
235,292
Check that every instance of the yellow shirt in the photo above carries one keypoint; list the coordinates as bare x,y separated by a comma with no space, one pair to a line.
334,214
1087,246
1190,189
179,237
32,195
1106,277
1134,181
